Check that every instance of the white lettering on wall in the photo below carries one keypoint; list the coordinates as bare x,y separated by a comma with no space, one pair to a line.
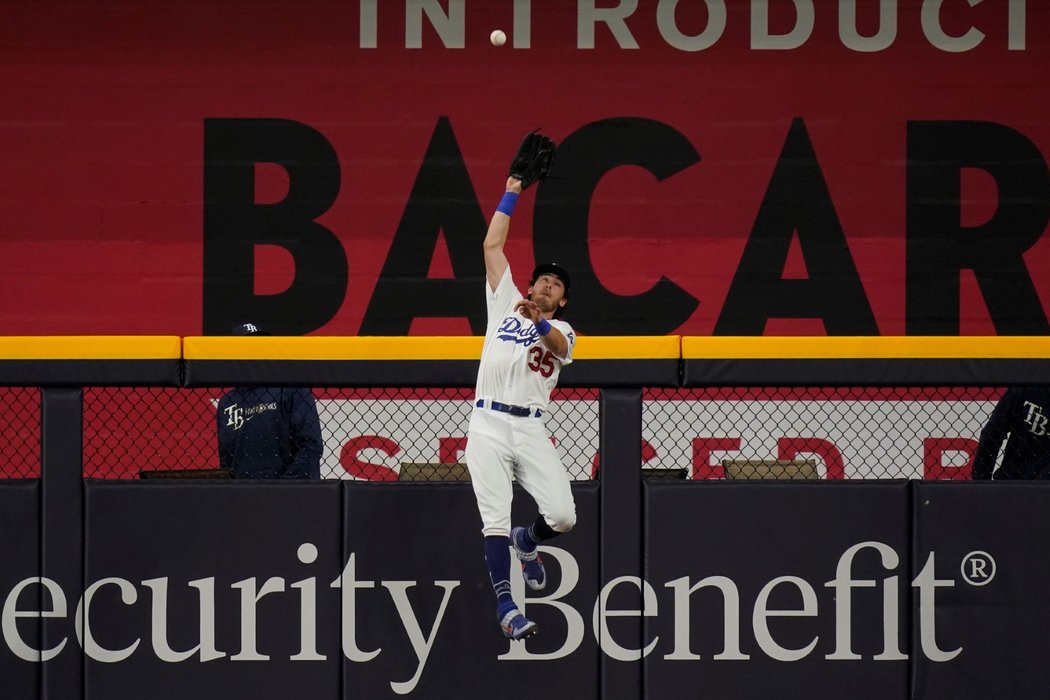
423,628
616,19
12,613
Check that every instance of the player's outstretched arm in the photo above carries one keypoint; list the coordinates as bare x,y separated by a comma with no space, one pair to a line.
495,259
556,342
554,339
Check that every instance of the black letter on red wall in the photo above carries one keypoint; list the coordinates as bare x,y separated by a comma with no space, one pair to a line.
939,247
560,223
442,200
234,224
797,201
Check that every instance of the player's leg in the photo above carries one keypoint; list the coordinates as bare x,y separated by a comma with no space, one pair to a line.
488,458
542,475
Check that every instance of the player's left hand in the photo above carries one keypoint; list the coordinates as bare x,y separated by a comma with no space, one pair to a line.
529,310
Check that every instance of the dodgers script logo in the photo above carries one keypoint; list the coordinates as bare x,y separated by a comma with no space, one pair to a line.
515,331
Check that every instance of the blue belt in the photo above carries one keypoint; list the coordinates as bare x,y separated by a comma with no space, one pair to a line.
519,411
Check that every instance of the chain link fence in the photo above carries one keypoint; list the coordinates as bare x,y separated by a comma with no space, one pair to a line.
369,434
420,433
815,432
20,433
129,430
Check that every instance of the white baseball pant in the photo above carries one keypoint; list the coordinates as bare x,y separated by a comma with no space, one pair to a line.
500,446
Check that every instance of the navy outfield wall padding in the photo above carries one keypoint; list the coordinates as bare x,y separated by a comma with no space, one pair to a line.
44,373
709,361
988,541
422,543
902,371
62,537
924,590
585,373
378,361
91,360
19,560
355,373
283,538
397,550
620,420
745,538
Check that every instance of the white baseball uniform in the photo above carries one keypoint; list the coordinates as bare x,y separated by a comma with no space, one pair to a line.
517,373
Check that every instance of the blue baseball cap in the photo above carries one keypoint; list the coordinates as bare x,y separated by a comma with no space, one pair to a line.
248,329
551,269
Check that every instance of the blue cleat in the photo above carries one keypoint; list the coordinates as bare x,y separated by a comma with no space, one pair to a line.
531,562
516,626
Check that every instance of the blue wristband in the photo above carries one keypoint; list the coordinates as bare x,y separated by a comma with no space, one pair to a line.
506,205
543,327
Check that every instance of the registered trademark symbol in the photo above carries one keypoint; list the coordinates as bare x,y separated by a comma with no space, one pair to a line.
977,568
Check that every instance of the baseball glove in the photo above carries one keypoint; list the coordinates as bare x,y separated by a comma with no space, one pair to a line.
534,159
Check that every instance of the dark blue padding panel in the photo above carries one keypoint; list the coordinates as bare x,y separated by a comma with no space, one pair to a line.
20,560
988,613
240,537
771,546
424,539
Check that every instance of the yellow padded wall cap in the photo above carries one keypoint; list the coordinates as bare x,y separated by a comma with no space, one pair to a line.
864,347
332,348
615,347
409,348
91,347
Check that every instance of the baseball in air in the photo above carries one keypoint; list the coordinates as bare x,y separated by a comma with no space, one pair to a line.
497,37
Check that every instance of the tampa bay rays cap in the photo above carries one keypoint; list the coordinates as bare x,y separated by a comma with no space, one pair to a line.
551,269
248,329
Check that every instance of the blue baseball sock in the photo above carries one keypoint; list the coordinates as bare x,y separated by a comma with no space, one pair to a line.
529,541
538,532
497,557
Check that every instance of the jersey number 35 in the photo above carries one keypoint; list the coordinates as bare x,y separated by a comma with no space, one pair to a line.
541,361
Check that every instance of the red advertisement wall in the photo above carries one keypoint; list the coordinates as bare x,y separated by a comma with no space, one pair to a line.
329,166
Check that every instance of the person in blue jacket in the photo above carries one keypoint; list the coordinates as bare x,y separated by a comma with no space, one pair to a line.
1022,418
269,432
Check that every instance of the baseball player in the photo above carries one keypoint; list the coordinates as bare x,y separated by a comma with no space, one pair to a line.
525,348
